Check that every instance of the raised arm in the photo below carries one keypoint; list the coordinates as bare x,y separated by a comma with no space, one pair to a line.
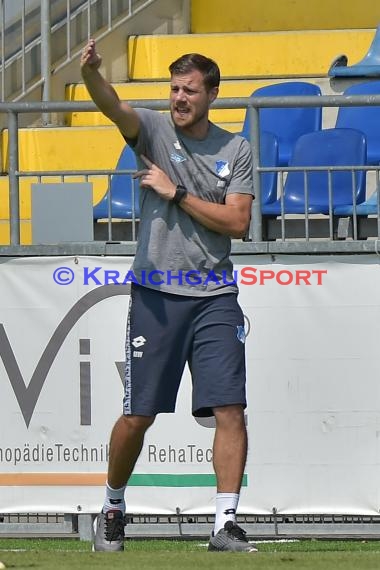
104,95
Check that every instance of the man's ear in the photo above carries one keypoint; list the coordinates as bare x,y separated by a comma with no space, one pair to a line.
213,94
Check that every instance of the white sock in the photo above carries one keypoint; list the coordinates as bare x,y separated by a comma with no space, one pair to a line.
114,499
226,506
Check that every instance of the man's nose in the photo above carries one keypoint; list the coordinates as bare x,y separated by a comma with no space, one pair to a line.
180,95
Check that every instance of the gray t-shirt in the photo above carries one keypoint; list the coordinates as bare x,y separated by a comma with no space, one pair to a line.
175,253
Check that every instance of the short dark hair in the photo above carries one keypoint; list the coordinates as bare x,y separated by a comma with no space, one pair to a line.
191,61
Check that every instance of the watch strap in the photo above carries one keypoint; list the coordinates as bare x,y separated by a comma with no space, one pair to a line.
180,194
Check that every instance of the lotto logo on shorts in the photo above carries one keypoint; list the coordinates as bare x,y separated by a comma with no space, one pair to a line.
138,341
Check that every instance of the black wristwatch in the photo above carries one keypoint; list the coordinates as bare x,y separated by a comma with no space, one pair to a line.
180,194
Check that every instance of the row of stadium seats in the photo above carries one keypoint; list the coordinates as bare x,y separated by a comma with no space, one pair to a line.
281,128
288,124
333,147
292,137
322,191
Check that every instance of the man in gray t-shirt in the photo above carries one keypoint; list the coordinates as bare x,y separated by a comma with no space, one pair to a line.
212,169
196,192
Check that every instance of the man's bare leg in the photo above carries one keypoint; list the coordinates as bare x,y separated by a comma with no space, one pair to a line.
230,448
229,458
126,443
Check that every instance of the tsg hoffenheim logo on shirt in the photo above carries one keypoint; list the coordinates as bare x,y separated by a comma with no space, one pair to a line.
222,168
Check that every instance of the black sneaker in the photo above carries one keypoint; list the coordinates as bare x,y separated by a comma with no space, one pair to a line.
109,531
231,538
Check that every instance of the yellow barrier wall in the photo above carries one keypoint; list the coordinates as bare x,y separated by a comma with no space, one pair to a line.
25,232
161,90
270,15
65,148
99,188
96,148
277,54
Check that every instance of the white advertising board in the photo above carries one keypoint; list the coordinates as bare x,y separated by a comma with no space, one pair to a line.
313,388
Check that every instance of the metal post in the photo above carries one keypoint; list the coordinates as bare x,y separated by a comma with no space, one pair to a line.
68,30
186,16
14,204
275,521
85,527
354,215
23,51
109,15
254,135
2,51
45,57
89,19
378,202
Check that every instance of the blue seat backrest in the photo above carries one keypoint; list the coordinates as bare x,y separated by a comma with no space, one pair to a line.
372,57
365,118
268,158
288,124
329,147
366,208
124,191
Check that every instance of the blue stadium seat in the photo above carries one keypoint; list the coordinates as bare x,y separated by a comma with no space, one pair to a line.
364,209
288,124
328,147
123,204
365,118
369,66
268,158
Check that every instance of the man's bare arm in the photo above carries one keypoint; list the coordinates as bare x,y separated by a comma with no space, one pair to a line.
104,95
231,218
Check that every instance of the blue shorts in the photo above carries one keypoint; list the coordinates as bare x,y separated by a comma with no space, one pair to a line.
165,331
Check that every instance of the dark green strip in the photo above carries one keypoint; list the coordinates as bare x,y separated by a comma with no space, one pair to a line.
166,480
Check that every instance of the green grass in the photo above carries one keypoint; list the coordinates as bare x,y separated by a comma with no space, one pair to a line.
23,554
